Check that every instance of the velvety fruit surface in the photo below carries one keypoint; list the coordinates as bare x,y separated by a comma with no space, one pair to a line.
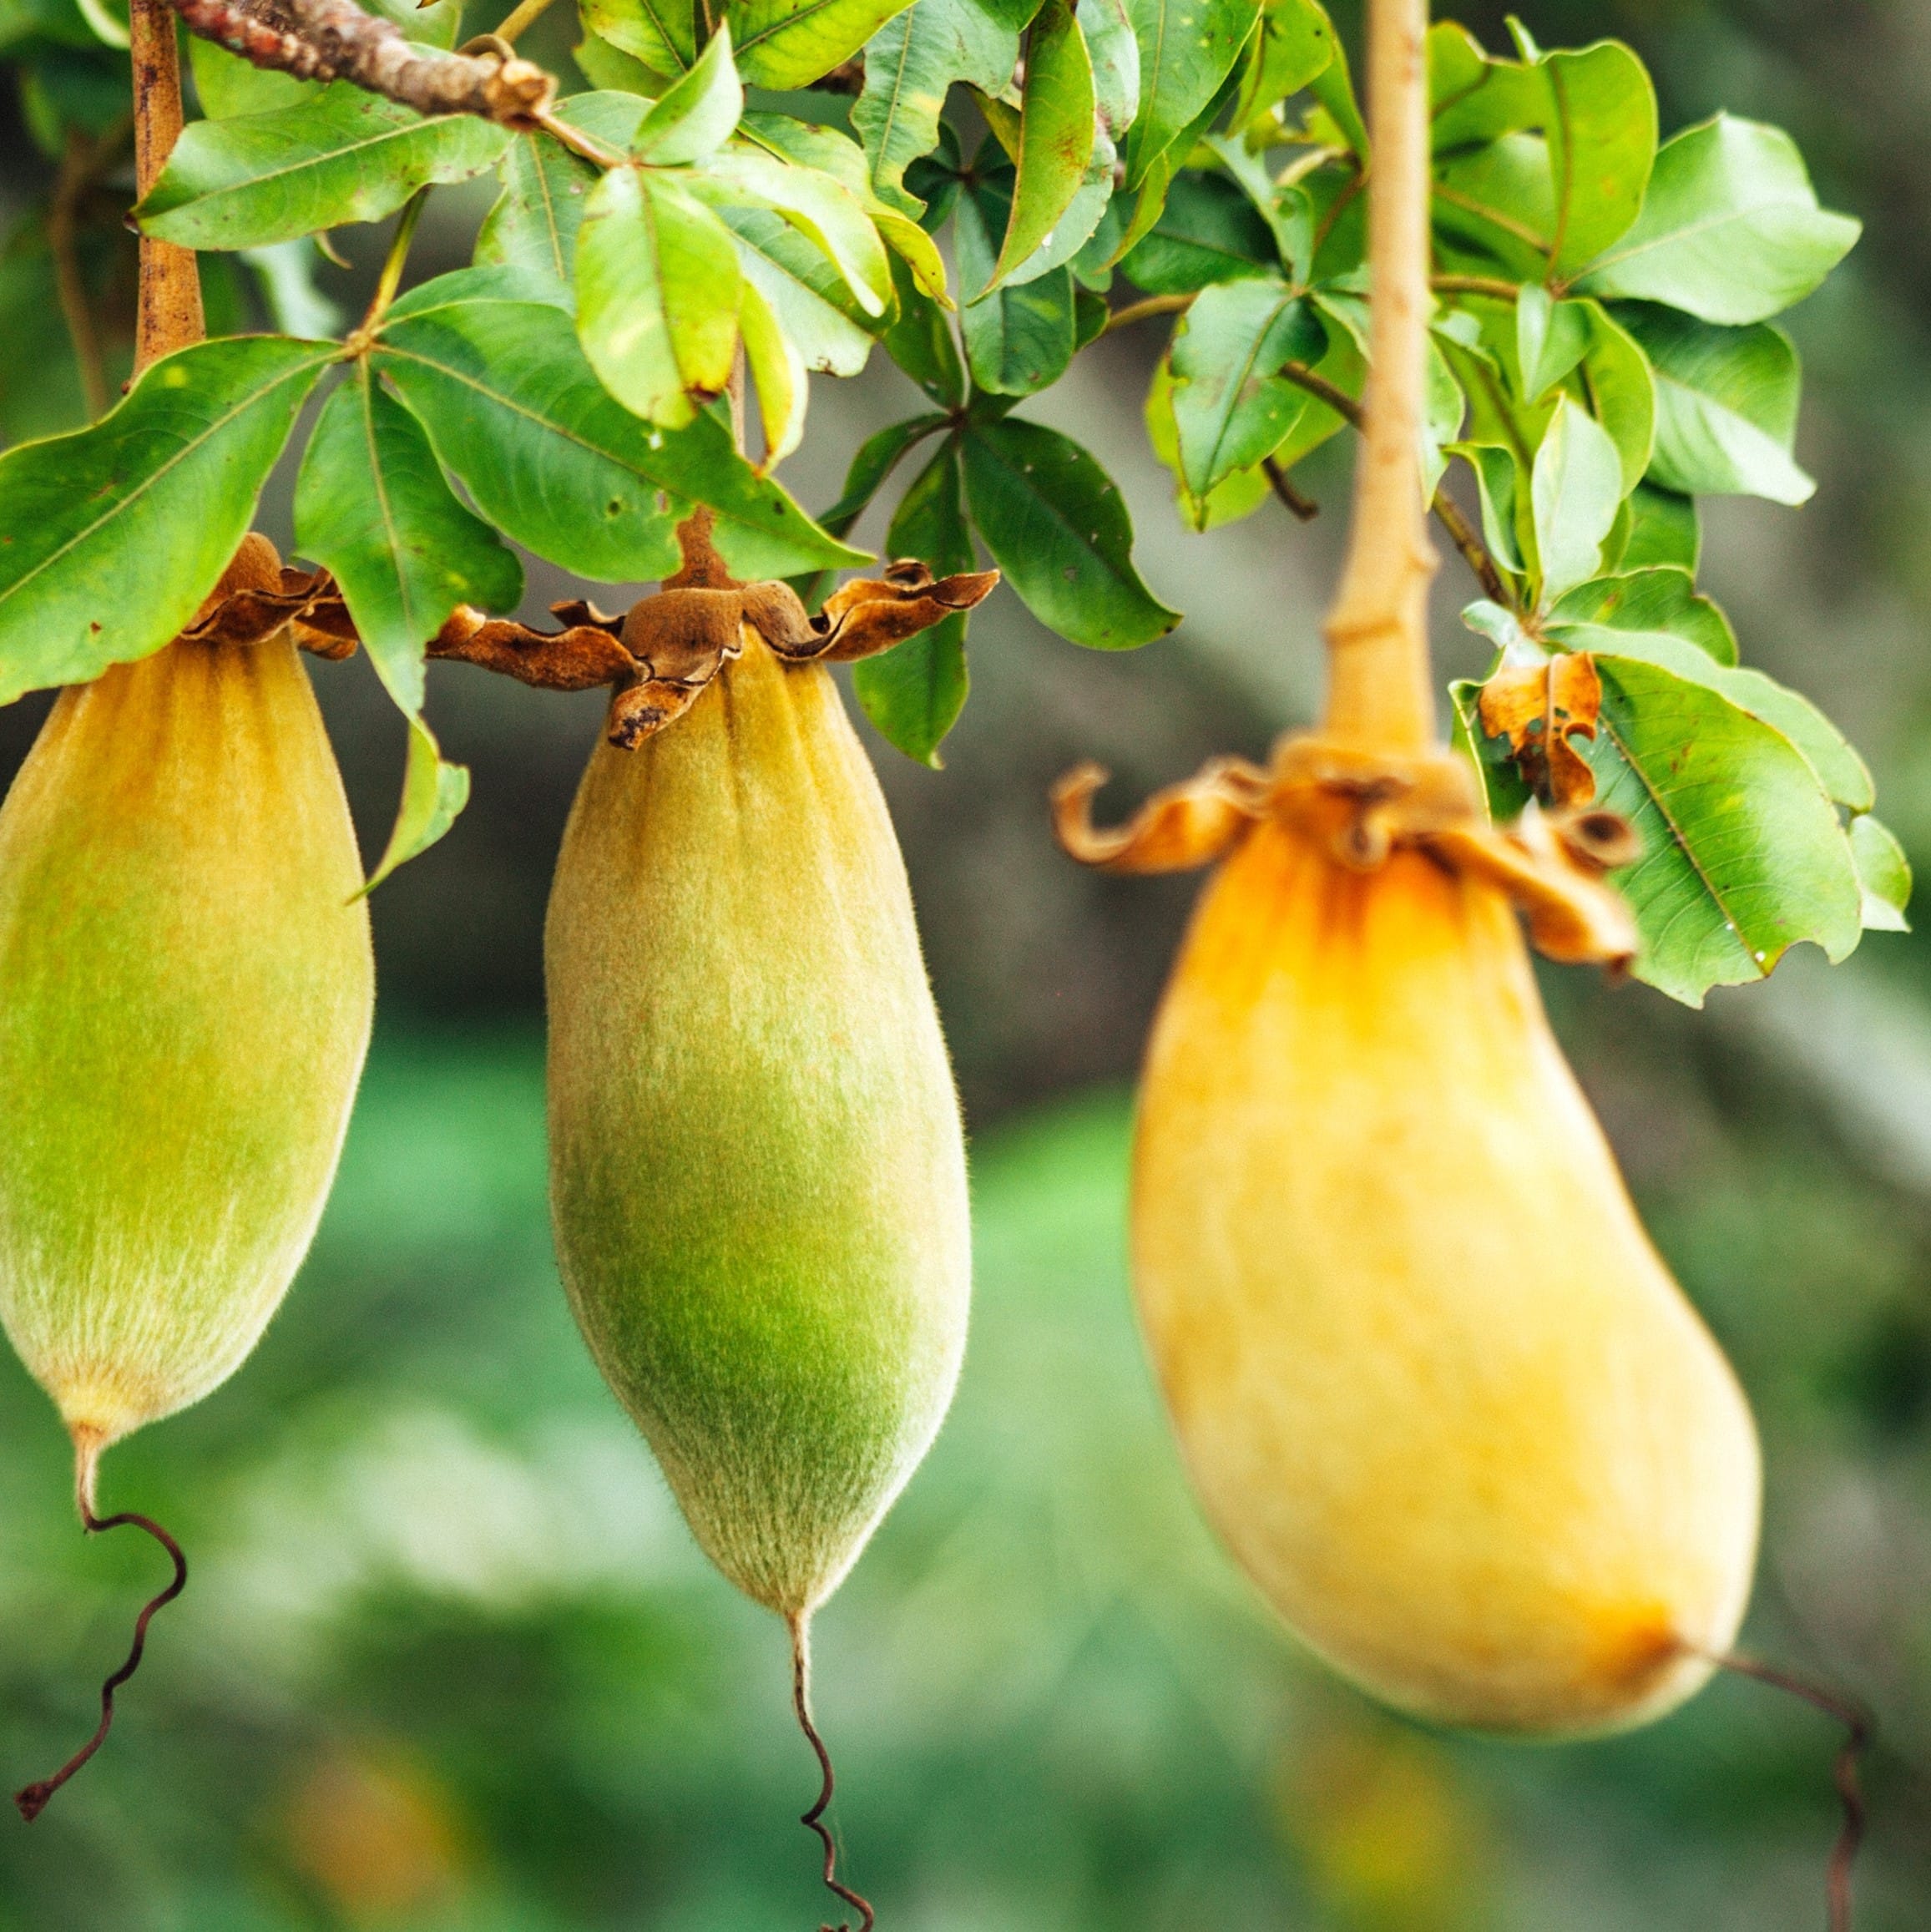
185,992
1435,1386
758,1173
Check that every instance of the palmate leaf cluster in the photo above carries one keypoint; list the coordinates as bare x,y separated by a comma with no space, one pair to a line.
1603,354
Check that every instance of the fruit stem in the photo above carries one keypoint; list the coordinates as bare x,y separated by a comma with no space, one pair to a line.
812,1820
1378,692
1859,1729
32,1801
170,282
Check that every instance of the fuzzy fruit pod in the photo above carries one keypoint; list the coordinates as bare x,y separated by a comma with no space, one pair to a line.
758,1168
1436,1388
185,990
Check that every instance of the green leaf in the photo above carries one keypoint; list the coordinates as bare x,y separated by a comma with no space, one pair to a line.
1727,404
1657,597
1056,130
911,63
695,118
1743,856
341,156
814,202
1115,52
1230,405
1731,230
920,341
1500,201
433,796
1498,481
660,34
1056,526
111,536
1018,339
535,222
371,506
1551,337
1233,497
1601,126
790,43
1616,382
1662,529
1475,99
1296,42
1187,49
607,69
914,692
1208,231
811,300
778,371
554,461
227,85
1842,773
1575,490
657,295
1333,88
1884,875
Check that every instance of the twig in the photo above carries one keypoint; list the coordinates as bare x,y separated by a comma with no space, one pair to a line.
1475,285
1338,400
335,40
1139,311
523,16
1474,553
1304,507
813,1820
80,166
391,278
33,1800
578,143
1858,1731
170,283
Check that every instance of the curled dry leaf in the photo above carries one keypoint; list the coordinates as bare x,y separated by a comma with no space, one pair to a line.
1538,708
660,655
1363,806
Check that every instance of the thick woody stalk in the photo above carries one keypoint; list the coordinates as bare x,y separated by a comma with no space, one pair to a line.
1379,688
170,285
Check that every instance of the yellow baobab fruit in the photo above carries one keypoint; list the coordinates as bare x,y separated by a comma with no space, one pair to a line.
185,988
1433,1383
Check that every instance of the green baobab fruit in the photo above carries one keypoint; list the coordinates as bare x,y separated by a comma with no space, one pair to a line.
186,989
758,1173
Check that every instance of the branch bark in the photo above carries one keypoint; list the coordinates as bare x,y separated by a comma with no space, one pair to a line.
335,40
1379,694
170,286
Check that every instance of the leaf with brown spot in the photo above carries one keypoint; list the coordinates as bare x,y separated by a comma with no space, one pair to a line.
1539,708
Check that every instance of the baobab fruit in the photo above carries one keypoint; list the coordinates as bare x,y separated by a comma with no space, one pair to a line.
1431,1382
758,1166
186,989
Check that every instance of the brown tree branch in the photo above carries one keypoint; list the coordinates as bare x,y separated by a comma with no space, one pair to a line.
1303,509
335,40
170,292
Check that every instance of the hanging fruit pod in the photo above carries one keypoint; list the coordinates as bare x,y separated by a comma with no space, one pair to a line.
758,1171
1433,1384
186,991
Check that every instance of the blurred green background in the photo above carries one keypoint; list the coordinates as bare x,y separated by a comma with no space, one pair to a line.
449,1660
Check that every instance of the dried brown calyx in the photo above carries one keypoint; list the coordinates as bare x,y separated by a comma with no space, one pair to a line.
660,654
1361,805
259,596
